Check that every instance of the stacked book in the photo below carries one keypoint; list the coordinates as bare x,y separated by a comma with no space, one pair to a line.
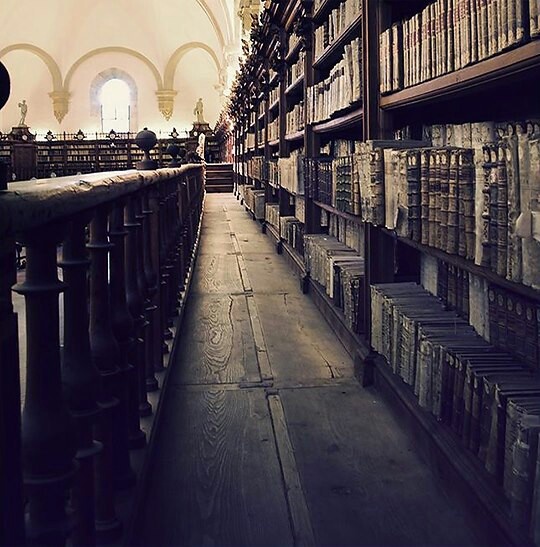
292,231
273,130
450,34
272,173
255,167
274,96
506,164
296,71
295,118
348,231
340,270
255,201
271,214
250,141
339,20
341,89
291,173
490,399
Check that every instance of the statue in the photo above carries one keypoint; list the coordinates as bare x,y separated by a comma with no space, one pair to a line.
24,109
198,111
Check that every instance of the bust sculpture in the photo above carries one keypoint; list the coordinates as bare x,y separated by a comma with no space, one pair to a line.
199,111
24,109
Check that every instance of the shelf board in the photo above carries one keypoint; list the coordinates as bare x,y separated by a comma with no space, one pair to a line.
502,66
348,216
275,142
294,86
324,8
296,136
274,105
468,266
294,51
333,51
261,117
343,121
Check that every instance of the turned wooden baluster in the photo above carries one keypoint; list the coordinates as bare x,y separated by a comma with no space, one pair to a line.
135,300
48,436
80,378
154,245
169,260
164,234
151,293
126,325
11,502
122,324
105,356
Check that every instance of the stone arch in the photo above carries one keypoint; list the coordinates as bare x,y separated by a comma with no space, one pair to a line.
110,74
113,49
213,21
51,64
170,69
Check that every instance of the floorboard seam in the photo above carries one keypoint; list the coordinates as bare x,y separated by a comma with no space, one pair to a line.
296,501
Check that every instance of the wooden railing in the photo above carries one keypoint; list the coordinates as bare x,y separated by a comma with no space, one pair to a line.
124,243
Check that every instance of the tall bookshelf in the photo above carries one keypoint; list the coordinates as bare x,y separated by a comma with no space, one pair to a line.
401,140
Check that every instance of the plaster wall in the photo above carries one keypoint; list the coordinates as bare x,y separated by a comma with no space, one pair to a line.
153,30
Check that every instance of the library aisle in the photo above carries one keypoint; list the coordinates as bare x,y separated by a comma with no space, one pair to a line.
265,437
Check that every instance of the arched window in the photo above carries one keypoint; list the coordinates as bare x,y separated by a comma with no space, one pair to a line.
115,101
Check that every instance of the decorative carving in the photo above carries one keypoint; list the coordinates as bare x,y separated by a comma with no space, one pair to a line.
166,102
60,101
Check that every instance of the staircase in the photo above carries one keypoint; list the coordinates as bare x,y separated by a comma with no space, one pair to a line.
219,177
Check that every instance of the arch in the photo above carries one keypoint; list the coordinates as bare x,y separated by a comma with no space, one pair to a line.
56,75
212,18
105,76
170,69
113,49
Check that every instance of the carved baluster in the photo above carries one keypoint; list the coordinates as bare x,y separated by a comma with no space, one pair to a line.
11,502
135,307
169,261
164,235
48,437
122,324
151,290
80,379
153,246
105,356
136,300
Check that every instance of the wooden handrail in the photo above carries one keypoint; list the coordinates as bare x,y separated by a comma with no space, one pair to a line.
84,398
28,204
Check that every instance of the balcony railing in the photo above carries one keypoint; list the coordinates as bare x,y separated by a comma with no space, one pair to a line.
124,243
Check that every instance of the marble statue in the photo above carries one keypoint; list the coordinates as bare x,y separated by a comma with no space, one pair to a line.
24,109
199,111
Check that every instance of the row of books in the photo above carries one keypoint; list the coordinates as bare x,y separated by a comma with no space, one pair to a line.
255,166
255,201
250,141
341,89
340,270
273,130
450,34
484,395
295,118
273,97
334,182
296,70
291,173
271,214
292,231
507,175
338,21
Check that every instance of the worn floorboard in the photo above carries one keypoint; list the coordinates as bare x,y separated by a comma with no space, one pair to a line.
265,437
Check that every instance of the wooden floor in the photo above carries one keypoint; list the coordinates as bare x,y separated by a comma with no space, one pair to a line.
265,437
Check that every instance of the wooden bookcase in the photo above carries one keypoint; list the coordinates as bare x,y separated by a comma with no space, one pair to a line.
71,153
492,87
